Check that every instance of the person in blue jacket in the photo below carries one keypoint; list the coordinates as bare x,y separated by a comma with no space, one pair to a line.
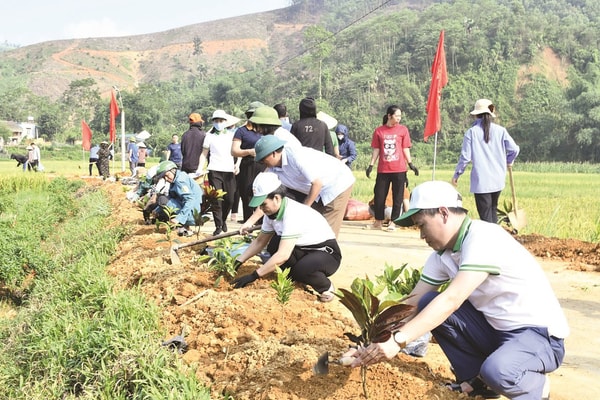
347,148
132,154
185,195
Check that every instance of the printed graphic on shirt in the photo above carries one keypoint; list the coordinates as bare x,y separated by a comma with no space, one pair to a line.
389,148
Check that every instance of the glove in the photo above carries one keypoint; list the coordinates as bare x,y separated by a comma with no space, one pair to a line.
368,171
413,168
245,280
237,264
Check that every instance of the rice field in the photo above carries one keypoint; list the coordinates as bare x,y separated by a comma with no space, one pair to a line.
560,200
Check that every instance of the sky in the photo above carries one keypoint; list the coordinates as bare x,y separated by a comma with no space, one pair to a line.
25,22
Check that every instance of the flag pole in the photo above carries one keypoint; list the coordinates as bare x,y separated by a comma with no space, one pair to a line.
434,156
439,79
122,112
122,135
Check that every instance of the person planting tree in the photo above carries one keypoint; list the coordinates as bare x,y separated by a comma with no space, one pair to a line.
307,246
185,195
498,321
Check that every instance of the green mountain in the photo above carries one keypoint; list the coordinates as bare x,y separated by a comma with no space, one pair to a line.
537,60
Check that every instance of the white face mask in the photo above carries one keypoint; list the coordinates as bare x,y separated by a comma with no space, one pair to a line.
219,126
340,137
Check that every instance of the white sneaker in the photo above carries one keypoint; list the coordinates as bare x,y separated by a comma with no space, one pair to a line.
391,227
327,296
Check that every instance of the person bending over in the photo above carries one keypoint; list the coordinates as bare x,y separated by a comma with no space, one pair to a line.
307,246
498,321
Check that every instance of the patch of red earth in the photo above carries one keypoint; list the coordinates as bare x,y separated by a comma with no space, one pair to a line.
244,343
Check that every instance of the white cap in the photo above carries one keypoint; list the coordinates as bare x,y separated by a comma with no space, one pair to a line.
428,195
264,184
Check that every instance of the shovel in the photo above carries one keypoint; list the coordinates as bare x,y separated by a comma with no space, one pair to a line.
517,216
175,260
322,365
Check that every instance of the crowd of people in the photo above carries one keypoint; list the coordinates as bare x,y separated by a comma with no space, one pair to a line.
497,318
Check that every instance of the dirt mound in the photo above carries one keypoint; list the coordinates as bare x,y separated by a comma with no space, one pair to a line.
242,342
579,255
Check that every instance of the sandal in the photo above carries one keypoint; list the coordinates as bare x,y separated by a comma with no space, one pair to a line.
479,389
374,227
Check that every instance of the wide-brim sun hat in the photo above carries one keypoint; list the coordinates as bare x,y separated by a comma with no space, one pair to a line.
430,195
265,115
231,120
483,106
266,145
330,121
220,114
264,184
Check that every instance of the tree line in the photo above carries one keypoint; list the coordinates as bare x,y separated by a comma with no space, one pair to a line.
360,56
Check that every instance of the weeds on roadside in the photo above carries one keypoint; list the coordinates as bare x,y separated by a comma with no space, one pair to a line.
284,286
78,336
503,211
170,213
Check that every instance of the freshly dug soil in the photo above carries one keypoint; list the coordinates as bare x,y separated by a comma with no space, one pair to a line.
244,343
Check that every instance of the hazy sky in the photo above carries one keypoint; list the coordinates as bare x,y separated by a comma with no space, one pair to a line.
26,22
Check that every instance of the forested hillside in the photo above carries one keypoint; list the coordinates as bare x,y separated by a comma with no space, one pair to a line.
538,60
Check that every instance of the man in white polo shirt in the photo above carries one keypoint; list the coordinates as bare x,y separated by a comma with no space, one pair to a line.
307,246
498,321
324,180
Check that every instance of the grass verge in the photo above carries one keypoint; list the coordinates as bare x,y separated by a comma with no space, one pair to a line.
72,334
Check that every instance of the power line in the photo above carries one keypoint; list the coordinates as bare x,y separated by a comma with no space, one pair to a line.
332,36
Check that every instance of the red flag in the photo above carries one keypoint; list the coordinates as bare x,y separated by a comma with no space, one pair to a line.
114,111
86,136
439,79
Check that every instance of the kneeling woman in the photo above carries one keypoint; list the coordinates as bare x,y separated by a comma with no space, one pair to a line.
307,246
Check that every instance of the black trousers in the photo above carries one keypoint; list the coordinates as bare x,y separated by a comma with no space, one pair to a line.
94,161
311,265
487,206
248,171
382,186
226,182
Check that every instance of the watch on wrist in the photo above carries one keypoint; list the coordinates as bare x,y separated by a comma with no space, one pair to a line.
400,339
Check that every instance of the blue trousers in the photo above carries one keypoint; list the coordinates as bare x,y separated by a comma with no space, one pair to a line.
512,363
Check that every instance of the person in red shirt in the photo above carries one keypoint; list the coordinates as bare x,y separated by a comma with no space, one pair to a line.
391,151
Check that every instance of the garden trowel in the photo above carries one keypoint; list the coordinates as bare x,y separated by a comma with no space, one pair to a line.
322,365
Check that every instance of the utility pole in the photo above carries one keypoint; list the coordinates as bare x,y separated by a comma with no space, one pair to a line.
122,111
